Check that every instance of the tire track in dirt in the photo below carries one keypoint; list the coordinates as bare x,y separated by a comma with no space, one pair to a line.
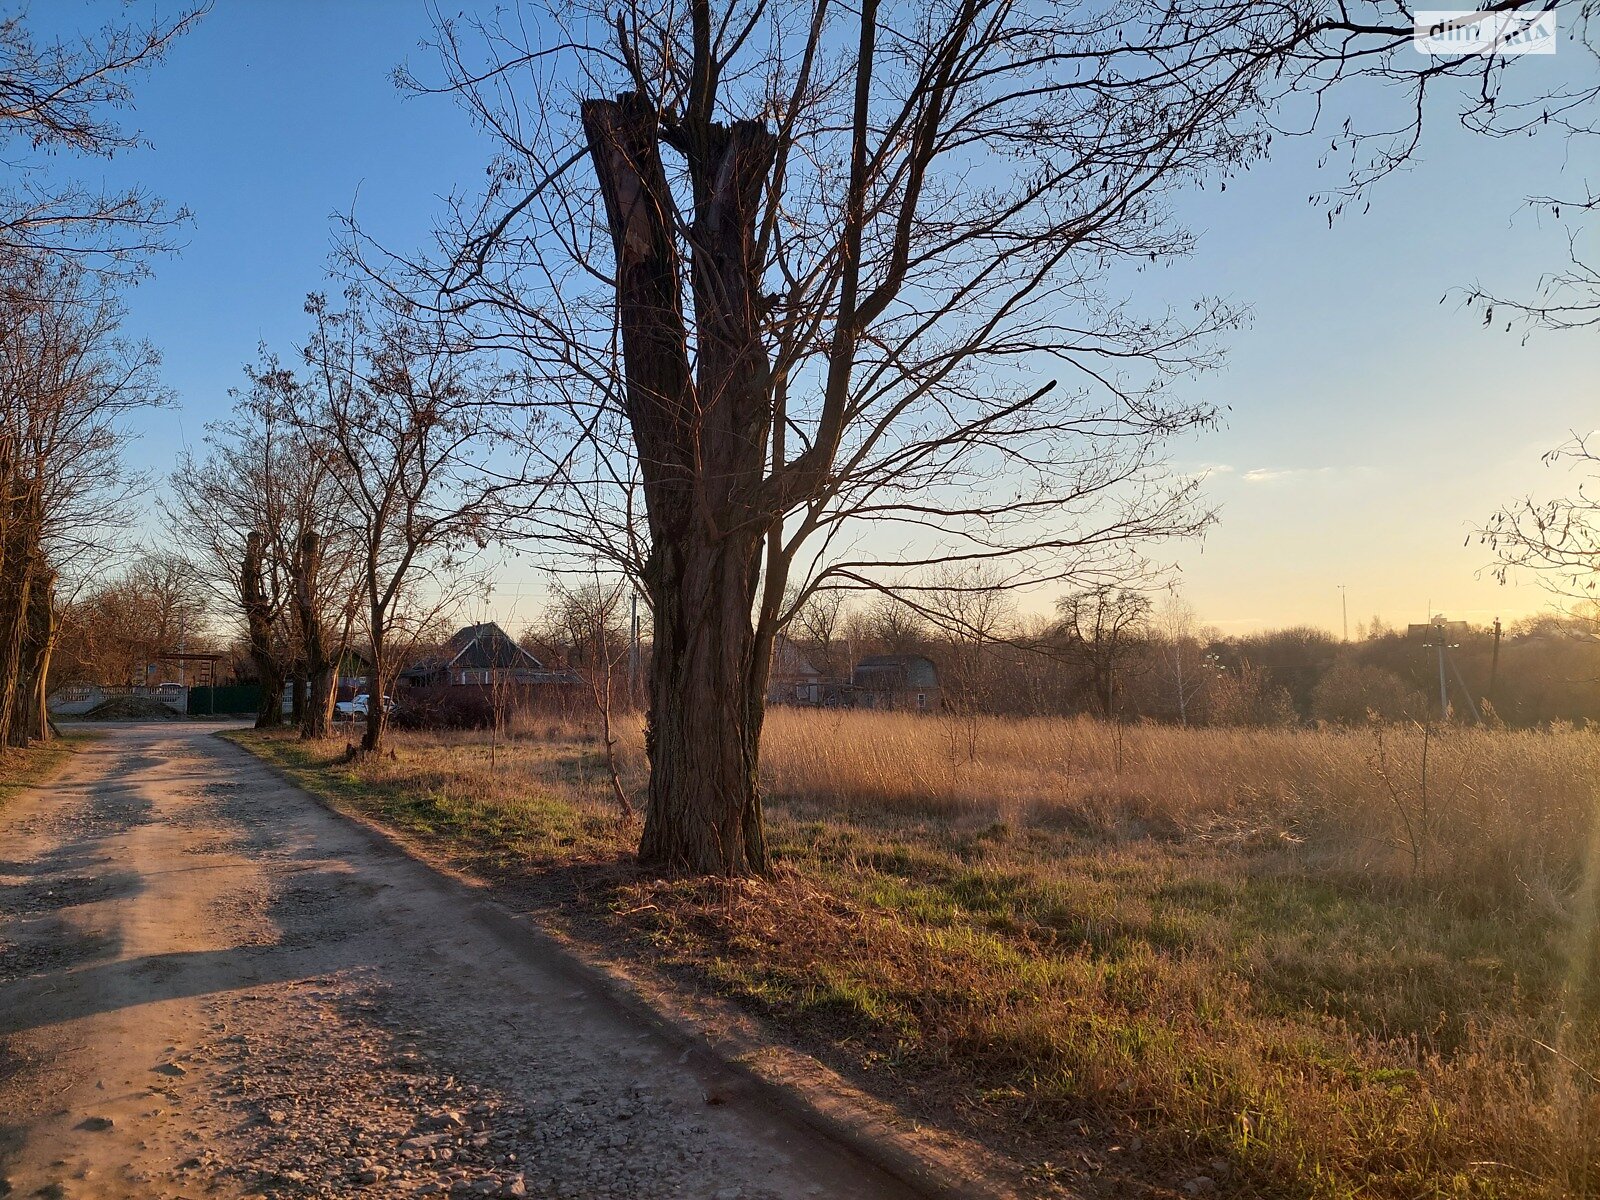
209,986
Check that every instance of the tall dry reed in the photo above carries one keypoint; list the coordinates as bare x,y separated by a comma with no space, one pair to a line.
1492,809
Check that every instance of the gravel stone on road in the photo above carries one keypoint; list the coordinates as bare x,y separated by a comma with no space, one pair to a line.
210,986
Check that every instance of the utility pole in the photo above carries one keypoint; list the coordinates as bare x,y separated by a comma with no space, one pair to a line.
1436,635
1494,661
1344,610
1444,688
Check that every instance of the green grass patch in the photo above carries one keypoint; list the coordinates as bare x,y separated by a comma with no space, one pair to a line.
449,797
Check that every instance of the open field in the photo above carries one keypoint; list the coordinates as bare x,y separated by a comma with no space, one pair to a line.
1288,962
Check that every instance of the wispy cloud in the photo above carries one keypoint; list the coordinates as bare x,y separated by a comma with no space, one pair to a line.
1271,474
1205,471
1274,475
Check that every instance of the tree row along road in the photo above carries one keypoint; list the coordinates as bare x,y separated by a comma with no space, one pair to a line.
210,986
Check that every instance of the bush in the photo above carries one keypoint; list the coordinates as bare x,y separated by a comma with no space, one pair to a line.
1352,695
520,707
444,708
1249,697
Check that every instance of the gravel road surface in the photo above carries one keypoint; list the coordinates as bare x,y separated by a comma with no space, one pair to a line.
210,986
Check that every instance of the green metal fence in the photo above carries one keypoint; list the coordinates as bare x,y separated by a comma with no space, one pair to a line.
214,701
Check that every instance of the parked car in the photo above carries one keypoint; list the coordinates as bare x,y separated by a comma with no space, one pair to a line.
356,709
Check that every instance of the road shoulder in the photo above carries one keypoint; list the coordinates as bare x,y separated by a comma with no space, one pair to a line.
722,1039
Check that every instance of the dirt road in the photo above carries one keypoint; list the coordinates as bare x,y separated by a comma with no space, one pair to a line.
209,986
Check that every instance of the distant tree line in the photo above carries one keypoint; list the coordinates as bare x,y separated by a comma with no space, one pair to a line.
1122,654
1110,653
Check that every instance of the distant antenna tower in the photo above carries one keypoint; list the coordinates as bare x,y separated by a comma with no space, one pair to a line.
1442,636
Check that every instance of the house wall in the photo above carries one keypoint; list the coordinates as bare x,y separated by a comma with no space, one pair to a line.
795,689
904,699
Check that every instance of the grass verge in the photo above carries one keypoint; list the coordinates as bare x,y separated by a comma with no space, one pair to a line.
22,769
1196,962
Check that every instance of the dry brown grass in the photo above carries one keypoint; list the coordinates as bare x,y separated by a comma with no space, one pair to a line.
1127,956
1495,809
26,768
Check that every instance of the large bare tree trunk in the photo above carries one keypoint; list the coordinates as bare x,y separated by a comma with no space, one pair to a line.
12,611
377,719
258,622
316,718
8,515
701,435
703,814
33,715
16,593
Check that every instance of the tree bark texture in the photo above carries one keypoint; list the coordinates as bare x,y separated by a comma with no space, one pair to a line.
33,715
258,623
316,719
701,435
16,595
377,719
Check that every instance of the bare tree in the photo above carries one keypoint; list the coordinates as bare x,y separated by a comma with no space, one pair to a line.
1558,540
66,382
594,627
61,95
322,641
973,613
858,279
262,605
1181,660
1568,296
260,516
820,620
400,419
894,625
234,512
1104,627
118,626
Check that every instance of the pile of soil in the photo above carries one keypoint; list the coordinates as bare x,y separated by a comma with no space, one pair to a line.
131,708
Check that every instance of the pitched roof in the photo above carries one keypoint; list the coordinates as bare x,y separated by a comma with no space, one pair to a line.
895,670
488,647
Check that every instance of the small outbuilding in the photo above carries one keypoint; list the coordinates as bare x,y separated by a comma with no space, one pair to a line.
793,680
897,682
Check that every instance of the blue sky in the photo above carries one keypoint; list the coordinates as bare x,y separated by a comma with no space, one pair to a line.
1369,426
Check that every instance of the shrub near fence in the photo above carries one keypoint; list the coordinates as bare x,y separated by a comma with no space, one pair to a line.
477,706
